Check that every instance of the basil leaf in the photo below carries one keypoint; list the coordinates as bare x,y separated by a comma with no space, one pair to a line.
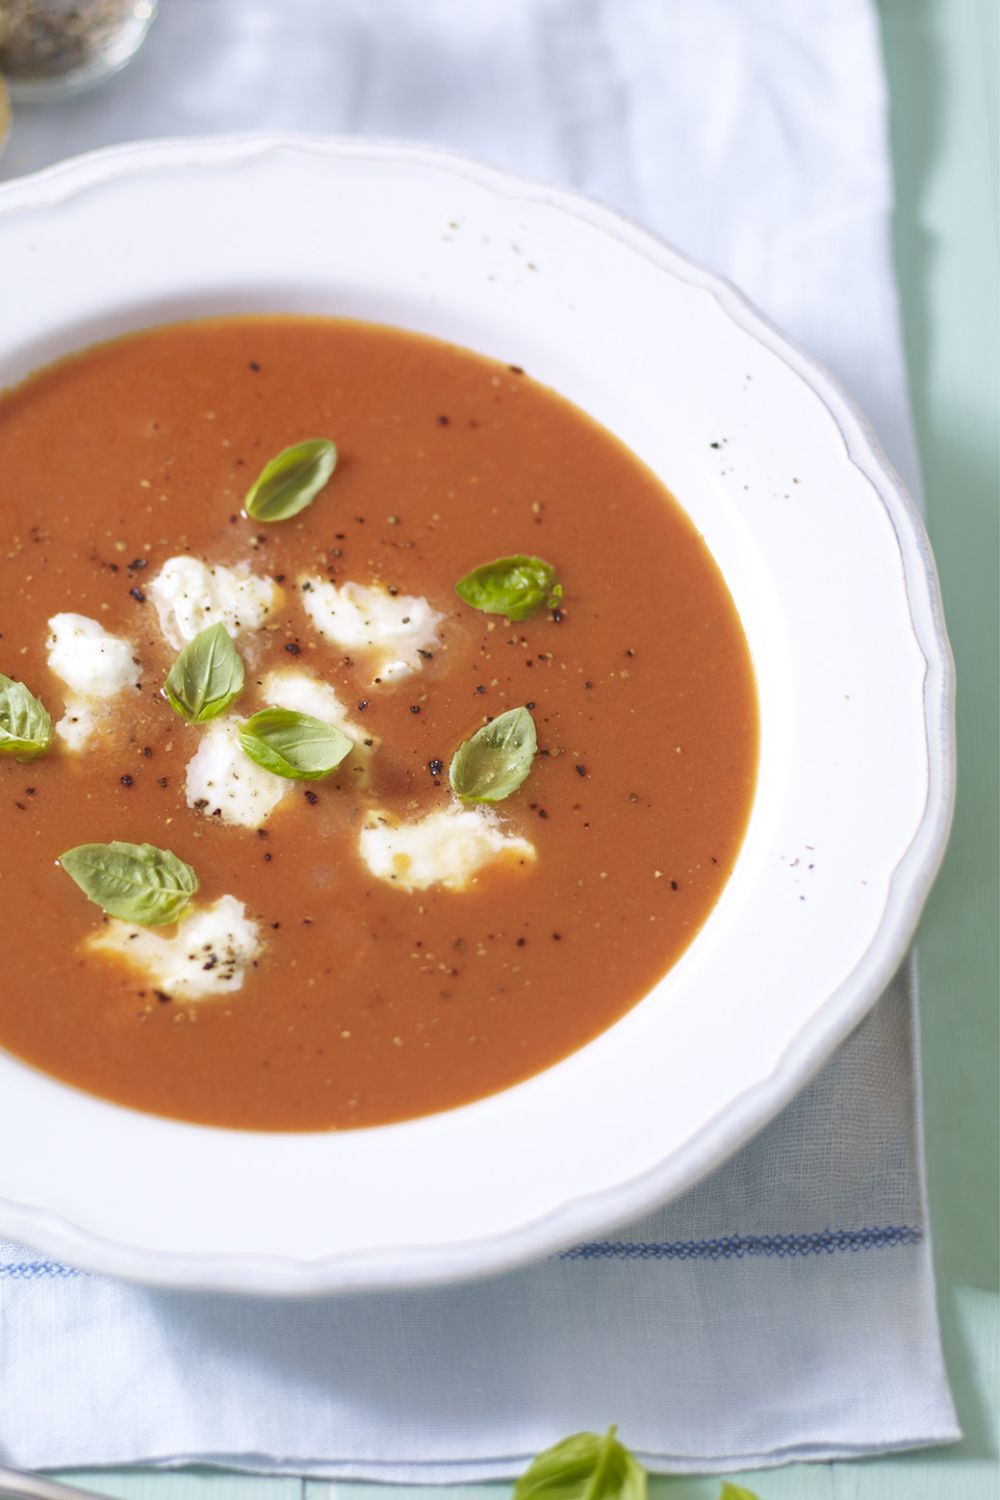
513,586
496,760
136,882
206,677
293,745
732,1491
291,481
25,725
584,1467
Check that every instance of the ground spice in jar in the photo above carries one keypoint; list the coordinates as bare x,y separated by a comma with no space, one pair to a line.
69,42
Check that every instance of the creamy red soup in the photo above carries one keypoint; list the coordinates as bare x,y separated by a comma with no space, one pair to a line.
365,945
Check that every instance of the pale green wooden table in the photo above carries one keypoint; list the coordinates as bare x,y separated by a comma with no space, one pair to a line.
942,63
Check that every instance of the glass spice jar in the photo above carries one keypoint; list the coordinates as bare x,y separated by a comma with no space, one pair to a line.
51,48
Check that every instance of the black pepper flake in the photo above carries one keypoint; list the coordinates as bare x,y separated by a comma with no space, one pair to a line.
480,688
255,367
557,937
521,942
137,564
715,445
29,791
293,648
311,798
435,767
126,780
542,813
147,752
162,781
262,833
268,857
557,617
137,595
633,796
279,577
21,806
163,997
674,886
362,704
414,708
442,421
588,684
427,655
581,770
515,369
530,705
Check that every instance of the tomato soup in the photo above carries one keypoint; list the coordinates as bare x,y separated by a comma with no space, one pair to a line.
364,941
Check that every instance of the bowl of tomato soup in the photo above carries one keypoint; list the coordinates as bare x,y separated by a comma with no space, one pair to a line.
447,803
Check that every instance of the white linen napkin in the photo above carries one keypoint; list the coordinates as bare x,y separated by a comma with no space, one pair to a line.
784,1308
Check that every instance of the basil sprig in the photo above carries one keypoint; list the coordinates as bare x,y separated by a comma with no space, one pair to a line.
206,677
513,586
25,724
496,760
136,882
291,481
293,745
586,1466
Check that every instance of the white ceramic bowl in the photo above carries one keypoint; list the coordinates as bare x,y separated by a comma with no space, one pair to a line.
829,567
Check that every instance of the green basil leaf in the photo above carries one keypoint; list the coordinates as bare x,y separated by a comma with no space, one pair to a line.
584,1467
496,760
293,745
206,677
732,1491
25,725
513,586
136,882
291,481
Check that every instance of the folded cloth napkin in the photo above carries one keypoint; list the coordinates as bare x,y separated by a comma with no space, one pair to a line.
784,1308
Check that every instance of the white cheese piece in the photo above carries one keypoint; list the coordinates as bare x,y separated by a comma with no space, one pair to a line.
391,629
305,694
208,954
447,847
222,780
190,595
94,665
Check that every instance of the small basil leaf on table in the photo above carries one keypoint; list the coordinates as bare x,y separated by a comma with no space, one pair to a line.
206,677
587,1466
136,882
25,724
291,481
293,745
513,586
496,760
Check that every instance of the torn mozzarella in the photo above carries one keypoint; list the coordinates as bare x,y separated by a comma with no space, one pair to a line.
447,847
190,595
223,781
305,694
392,629
94,665
208,954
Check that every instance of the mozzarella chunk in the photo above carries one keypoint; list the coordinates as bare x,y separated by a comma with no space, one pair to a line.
392,629
208,954
447,847
190,595
94,665
222,779
305,694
